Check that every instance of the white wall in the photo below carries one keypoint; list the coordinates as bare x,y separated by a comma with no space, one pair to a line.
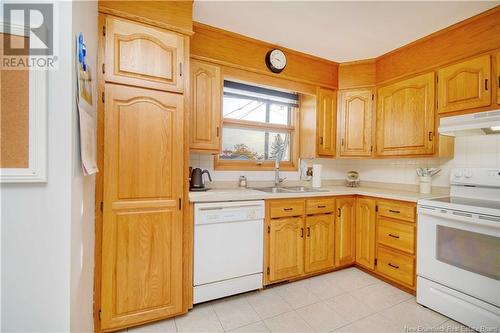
83,188
47,229
36,218
471,151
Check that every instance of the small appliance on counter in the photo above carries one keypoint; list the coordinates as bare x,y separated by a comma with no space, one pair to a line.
352,179
196,182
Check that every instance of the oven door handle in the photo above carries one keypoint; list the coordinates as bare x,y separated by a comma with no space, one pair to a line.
469,218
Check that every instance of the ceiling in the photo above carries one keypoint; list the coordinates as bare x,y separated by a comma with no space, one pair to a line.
337,30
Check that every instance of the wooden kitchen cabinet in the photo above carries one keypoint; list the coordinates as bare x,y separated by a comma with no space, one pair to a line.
319,242
497,83
142,219
405,117
345,231
327,121
286,248
365,232
318,122
355,123
206,96
143,56
465,85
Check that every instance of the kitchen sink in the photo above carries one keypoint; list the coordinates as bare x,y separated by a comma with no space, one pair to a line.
288,189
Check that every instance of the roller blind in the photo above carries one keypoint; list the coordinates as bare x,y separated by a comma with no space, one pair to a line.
242,90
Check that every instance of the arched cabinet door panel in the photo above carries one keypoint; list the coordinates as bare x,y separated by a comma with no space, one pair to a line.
344,231
465,85
142,218
326,122
356,123
143,56
365,232
405,117
319,244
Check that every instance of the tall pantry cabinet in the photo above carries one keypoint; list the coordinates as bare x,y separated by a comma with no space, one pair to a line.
143,82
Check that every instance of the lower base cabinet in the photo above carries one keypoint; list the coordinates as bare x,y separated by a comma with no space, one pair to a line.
345,224
319,243
286,243
300,238
314,235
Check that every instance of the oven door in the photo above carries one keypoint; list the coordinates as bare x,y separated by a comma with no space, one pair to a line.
460,251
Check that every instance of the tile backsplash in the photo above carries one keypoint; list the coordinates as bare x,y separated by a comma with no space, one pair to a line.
470,151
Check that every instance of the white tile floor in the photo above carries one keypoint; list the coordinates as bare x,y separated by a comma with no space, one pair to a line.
345,301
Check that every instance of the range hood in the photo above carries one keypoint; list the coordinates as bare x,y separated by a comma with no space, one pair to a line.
487,122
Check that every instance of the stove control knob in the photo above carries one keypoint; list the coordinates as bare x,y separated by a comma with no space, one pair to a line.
468,173
458,174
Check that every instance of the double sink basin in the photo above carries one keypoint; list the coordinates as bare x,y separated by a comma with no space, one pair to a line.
288,189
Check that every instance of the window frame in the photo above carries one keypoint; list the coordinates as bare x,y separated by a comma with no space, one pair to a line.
250,165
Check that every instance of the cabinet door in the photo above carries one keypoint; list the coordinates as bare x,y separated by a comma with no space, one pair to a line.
286,248
465,85
405,117
498,78
143,56
326,122
365,232
319,242
206,85
142,219
356,123
344,231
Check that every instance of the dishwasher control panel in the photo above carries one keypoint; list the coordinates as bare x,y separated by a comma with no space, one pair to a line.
220,212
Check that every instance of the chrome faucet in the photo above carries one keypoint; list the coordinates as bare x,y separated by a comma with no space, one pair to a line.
277,179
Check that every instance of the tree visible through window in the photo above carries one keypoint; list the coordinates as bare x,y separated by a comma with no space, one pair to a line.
258,123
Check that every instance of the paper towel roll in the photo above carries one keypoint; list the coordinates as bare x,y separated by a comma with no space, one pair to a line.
316,182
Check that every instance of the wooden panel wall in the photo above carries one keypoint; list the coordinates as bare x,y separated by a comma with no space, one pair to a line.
237,51
172,15
473,36
14,115
357,74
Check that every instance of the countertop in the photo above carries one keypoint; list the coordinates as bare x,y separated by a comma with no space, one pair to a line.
240,194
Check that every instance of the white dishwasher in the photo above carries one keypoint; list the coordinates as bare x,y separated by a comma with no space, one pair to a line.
228,248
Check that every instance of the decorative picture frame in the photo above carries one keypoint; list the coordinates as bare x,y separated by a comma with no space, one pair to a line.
37,142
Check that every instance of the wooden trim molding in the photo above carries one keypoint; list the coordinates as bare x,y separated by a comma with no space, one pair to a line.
206,45
473,36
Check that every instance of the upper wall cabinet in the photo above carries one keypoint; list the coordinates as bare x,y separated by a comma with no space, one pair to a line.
355,123
143,56
206,85
326,121
498,78
318,119
405,117
465,85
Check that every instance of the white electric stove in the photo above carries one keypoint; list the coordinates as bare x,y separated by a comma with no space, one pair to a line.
458,249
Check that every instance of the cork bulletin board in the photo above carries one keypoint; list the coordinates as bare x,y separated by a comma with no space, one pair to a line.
23,123
14,115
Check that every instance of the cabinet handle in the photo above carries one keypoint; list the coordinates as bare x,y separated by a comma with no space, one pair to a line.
393,266
430,136
342,142
321,206
486,84
393,236
320,140
180,69
302,232
308,231
339,212
287,209
217,131
394,211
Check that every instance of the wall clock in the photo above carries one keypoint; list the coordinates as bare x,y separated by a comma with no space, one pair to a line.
276,60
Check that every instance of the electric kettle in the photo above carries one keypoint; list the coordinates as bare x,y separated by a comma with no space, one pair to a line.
196,180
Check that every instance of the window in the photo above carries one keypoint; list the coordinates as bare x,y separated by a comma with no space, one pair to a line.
258,126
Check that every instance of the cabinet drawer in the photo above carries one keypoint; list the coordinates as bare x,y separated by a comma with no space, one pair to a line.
398,267
396,235
286,208
320,206
397,210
